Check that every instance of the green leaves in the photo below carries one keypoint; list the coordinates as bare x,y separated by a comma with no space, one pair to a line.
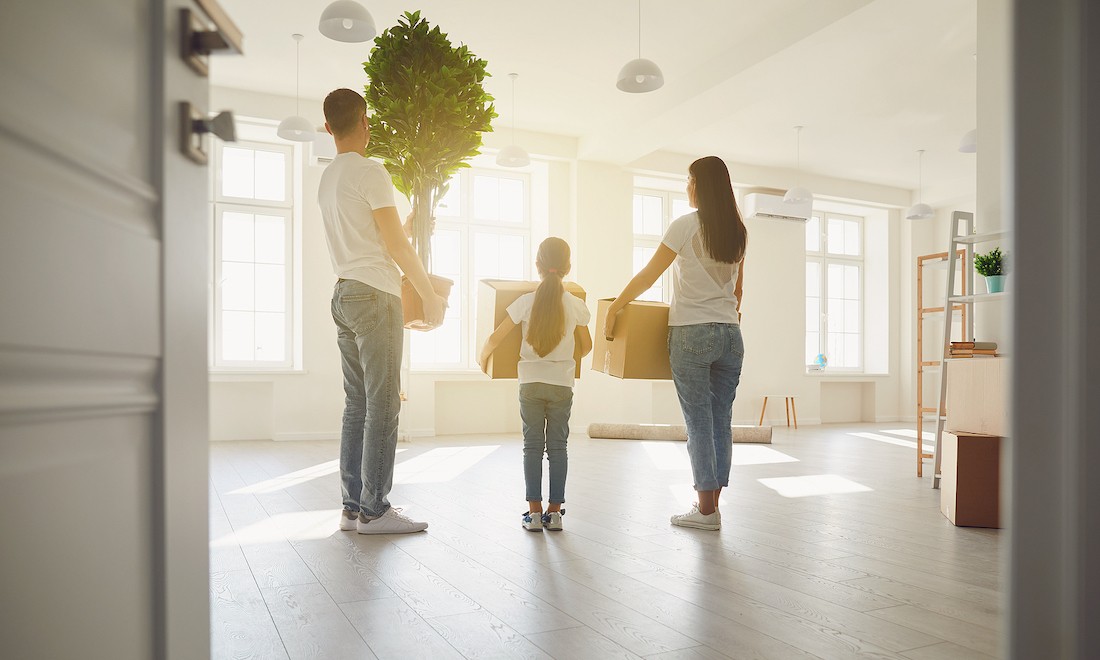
428,106
990,264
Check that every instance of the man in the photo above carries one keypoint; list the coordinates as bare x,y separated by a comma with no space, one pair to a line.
368,244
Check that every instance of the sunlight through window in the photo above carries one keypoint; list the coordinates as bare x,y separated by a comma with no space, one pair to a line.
877,437
440,465
759,455
299,526
813,484
290,479
910,433
667,455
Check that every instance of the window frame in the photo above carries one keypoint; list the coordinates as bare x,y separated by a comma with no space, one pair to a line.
824,258
467,227
259,135
653,241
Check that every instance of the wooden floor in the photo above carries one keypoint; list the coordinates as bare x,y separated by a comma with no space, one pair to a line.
830,548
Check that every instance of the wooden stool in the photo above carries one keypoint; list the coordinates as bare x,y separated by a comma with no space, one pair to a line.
788,403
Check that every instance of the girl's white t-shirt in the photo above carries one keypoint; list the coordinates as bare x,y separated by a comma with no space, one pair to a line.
702,288
558,366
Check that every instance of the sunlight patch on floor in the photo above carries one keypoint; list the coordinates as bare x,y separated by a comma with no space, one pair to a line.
878,437
290,479
667,455
298,526
759,455
813,484
440,465
912,433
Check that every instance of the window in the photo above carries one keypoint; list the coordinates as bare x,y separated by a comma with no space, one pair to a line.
253,240
834,290
482,231
653,211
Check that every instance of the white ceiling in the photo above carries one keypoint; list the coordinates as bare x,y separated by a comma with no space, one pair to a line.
872,81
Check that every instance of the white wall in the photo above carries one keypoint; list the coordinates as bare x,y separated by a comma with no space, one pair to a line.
589,205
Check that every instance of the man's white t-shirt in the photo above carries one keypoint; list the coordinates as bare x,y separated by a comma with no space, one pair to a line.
351,188
702,288
557,366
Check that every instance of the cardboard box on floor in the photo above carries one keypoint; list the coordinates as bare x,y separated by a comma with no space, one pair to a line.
412,306
970,479
493,298
640,348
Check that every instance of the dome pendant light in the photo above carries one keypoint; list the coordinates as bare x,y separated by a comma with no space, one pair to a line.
798,194
640,75
513,155
920,210
296,128
347,21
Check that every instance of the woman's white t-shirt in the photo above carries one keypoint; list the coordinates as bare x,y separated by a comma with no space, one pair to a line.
702,288
351,188
557,366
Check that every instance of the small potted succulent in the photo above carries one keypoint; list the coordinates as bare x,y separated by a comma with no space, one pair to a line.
991,266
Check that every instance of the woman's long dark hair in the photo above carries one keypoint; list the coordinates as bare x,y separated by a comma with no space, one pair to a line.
724,233
546,328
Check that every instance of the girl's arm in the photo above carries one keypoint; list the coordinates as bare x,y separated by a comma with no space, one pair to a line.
739,287
494,340
662,259
582,339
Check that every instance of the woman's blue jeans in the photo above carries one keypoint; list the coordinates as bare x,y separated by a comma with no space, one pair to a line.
706,367
544,410
369,334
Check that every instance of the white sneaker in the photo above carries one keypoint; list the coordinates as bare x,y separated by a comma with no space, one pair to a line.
698,520
532,522
390,522
552,521
348,520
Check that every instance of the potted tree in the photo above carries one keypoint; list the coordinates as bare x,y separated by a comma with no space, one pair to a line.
991,266
429,110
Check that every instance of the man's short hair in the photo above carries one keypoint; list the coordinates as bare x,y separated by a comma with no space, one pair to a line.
344,109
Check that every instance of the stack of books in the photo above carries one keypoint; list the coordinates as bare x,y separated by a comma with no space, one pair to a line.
972,349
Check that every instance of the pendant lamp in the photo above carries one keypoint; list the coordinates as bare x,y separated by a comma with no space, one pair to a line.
640,75
347,21
798,194
513,155
920,210
296,128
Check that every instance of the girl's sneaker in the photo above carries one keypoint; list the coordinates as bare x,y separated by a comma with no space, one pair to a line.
532,522
552,520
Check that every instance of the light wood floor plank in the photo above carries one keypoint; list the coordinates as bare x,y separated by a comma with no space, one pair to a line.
878,573
312,626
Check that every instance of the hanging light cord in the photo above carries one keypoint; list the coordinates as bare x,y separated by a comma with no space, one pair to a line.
297,74
513,77
798,150
639,29
920,176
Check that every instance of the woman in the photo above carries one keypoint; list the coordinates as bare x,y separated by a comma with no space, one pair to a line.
704,337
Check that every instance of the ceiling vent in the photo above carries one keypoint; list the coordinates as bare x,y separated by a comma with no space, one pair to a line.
772,207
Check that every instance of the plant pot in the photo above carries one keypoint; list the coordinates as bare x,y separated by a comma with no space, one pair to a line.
995,283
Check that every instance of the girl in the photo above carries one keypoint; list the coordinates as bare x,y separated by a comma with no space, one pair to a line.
554,326
704,337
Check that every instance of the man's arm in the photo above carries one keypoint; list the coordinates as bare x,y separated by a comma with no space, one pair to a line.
393,235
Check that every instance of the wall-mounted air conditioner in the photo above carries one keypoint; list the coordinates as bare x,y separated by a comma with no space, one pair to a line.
772,207
322,148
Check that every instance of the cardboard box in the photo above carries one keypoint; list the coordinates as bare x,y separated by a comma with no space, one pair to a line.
412,307
977,395
493,299
640,348
970,479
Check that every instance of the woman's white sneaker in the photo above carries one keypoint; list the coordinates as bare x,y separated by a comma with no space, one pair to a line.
390,522
697,520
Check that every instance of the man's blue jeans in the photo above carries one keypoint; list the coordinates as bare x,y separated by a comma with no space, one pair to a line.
706,367
369,334
544,410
